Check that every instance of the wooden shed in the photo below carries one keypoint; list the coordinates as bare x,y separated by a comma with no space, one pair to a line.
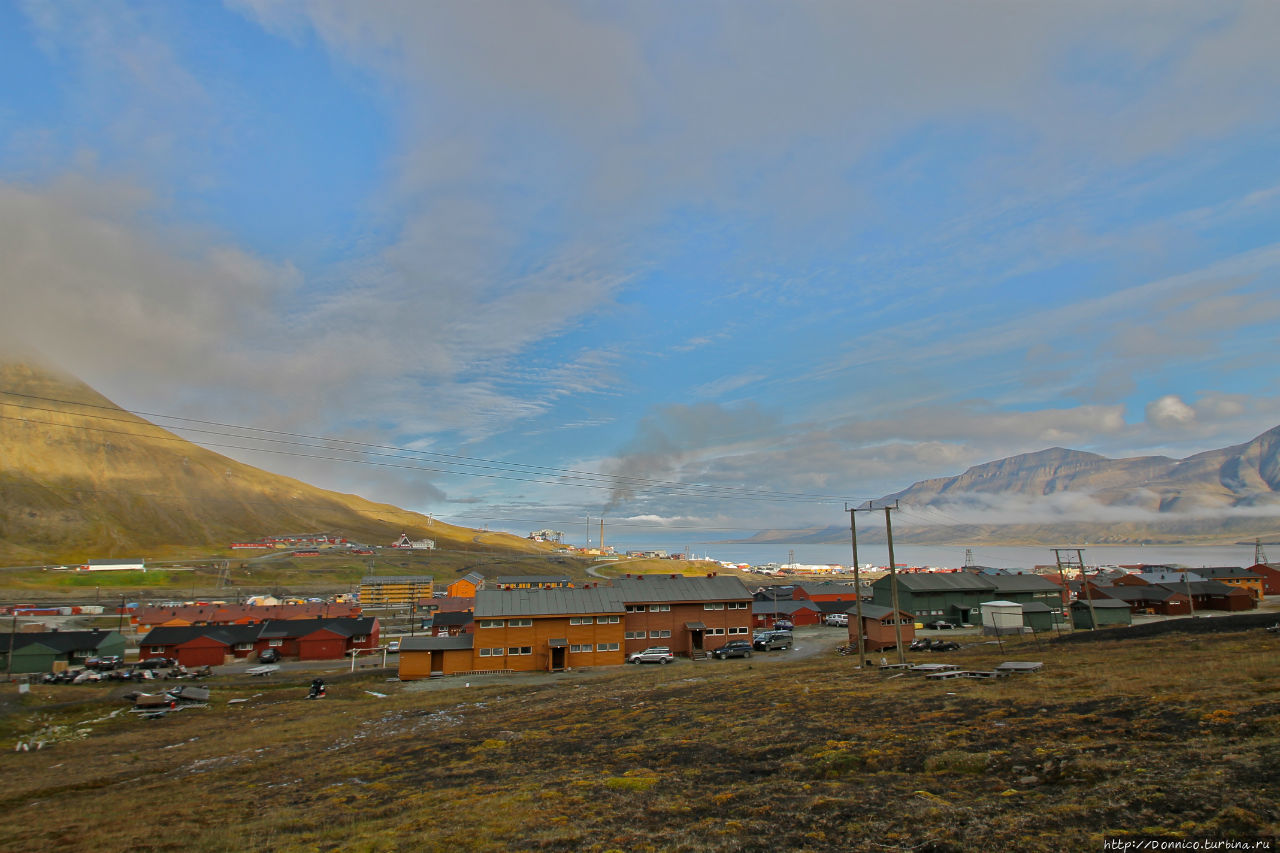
423,657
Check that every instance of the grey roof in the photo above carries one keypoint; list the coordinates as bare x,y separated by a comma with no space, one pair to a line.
345,626
1036,607
1214,572
547,602
473,577
1137,593
1168,577
828,588
941,582
426,644
648,588
1100,602
451,617
1023,583
785,606
871,611
58,641
561,579
376,580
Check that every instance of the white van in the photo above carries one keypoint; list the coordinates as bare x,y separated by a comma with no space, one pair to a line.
839,620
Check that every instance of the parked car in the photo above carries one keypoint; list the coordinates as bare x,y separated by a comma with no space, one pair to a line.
733,649
155,663
773,640
839,620
269,656
940,625
104,662
653,654
393,647
782,625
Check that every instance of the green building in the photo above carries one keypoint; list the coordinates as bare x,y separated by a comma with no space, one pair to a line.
1108,611
38,651
957,596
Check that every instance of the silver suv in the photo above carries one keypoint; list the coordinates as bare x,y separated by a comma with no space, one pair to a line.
653,654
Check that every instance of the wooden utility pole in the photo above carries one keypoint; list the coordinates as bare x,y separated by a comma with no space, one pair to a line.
1084,581
857,587
893,584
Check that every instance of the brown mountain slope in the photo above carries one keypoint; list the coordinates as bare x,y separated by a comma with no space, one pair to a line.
80,478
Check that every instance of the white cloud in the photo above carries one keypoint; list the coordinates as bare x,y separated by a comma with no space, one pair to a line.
1170,412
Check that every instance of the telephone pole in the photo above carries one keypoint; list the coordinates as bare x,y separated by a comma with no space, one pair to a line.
857,587
893,583
1078,563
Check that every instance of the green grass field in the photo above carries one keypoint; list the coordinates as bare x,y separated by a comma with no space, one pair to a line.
1171,736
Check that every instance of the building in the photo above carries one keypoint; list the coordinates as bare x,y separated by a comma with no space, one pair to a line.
878,627
533,582
824,592
114,566
395,590
765,613
690,615
303,639
957,596
450,623
42,651
1152,600
1270,576
531,630
1235,576
1109,612
146,618
423,657
466,586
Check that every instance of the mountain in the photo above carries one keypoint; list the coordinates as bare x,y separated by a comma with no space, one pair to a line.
1060,495
80,478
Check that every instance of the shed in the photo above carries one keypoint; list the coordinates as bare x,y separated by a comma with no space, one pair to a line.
422,657
1037,616
1001,617
1108,611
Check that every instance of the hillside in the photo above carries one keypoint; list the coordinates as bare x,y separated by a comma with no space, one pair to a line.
82,478
1059,495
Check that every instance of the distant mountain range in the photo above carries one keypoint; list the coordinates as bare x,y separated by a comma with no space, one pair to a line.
82,478
1061,496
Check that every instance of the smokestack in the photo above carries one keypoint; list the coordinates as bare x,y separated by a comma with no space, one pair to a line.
602,533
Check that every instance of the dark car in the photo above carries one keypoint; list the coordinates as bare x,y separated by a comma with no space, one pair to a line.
155,663
940,625
104,662
772,640
269,656
733,649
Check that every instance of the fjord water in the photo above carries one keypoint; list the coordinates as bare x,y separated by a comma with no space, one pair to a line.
949,556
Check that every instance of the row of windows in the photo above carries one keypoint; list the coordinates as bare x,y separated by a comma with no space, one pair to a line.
514,651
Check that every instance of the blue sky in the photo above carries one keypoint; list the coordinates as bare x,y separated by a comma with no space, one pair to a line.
828,248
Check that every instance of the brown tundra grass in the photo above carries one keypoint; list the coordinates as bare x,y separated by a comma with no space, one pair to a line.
1173,736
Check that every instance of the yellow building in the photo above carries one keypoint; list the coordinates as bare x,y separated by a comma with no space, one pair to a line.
395,589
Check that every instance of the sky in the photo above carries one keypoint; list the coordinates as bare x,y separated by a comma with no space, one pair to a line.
708,264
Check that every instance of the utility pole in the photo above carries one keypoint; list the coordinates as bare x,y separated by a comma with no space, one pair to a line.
857,587
1084,581
13,630
893,584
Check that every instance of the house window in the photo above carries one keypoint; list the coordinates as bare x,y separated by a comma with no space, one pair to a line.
717,605
494,653
275,644
244,647
607,647
658,635
659,608
519,623
715,631
579,620
157,650
580,648
635,608
737,605
635,635
737,630
363,638
520,650
608,620
488,623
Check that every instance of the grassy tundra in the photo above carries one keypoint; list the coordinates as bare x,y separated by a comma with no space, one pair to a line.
1172,736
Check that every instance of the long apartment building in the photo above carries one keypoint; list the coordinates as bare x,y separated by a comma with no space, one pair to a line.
546,630
379,591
